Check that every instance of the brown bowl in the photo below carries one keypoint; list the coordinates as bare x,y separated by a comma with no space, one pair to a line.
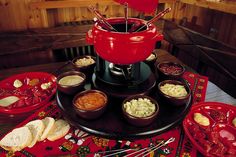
71,88
139,120
175,100
151,59
90,104
170,70
83,63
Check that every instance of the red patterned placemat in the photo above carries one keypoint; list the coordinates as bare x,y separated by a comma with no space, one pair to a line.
79,143
198,84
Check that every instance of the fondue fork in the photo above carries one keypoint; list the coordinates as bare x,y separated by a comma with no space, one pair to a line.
172,139
145,151
118,151
102,19
126,16
156,17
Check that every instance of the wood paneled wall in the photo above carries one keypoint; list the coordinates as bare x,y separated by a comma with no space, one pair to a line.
22,14
216,24
196,15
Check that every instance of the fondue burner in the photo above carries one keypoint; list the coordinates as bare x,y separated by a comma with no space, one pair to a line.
121,70
122,81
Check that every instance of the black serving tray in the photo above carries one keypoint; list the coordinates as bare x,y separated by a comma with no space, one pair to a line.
112,124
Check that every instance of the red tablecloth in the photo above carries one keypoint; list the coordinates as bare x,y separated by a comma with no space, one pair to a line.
79,143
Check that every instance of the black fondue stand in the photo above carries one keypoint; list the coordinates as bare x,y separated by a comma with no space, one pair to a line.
121,81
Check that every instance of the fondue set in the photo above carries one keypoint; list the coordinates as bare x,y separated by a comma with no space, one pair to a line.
120,70
121,74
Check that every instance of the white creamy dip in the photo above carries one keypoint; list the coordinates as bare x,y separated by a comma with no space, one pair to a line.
70,80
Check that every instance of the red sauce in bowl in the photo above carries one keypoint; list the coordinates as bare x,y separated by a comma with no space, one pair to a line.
90,101
171,69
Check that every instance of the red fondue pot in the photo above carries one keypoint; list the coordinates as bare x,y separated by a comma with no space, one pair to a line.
122,47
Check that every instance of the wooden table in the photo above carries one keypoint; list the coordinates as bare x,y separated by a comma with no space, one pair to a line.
8,123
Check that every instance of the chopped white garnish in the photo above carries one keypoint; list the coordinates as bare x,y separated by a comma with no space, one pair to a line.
46,85
17,83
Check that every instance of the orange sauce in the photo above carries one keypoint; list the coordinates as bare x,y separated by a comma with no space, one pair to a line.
90,101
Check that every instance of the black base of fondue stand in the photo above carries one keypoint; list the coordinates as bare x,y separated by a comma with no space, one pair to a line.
120,87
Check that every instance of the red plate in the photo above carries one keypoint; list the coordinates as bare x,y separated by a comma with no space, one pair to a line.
219,137
31,95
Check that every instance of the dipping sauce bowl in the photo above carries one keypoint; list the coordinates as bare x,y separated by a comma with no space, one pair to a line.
140,110
90,104
71,82
170,70
175,92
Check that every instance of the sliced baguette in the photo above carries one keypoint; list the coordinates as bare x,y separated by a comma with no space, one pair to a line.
60,129
36,127
17,139
48,123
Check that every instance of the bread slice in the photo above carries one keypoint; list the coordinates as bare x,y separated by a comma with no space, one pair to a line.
48,123
17,139
7,101
60,129
36,127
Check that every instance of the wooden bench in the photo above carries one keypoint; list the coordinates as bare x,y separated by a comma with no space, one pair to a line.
205,55
40,46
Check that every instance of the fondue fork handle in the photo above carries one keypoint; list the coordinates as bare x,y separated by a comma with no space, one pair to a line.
102,24
101,18
155,18
126,16
172,139
61,67
159,15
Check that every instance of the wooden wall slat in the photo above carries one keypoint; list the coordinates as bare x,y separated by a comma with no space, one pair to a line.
224,6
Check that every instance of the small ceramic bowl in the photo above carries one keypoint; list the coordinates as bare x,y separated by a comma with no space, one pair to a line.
140,110
173,93
71,82
90,104
84,63
151,59
170,70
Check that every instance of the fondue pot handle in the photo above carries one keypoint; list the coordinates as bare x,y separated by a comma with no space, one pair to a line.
159,37
89,37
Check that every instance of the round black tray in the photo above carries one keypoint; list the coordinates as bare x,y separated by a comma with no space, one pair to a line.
112,124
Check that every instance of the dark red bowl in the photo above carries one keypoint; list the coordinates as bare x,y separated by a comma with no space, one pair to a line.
170,70
140,121
71,89
177,101
90,113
